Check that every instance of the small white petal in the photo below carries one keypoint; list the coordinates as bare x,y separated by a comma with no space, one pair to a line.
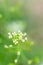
20,37
13,33
18,53
5,46
10,45
15,60
10,36
9,33
14,41
25,38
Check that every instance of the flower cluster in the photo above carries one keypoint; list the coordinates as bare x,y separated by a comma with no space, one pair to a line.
21,42
16,37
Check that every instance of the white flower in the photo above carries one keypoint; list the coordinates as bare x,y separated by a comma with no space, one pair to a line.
15,60
9,33
20,33
13,33
10,45
20,37
18,53
14,41
25,38
10,36
5,46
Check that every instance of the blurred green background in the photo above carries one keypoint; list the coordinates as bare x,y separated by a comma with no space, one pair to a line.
24,15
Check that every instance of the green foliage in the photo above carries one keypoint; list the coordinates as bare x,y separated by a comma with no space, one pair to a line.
17,50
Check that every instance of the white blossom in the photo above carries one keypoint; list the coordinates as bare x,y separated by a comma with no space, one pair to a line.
10,45
13,33
14,41
25,38
9,33
15,60
21,33
10,36
20,37
5,46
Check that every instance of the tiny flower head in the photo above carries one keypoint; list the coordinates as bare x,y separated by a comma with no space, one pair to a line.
13,33
25,38
14,41
15,60
5,46
10,36
10,46
20,37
